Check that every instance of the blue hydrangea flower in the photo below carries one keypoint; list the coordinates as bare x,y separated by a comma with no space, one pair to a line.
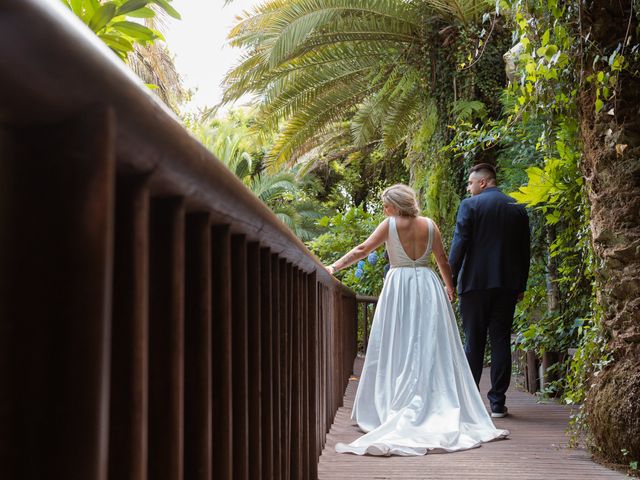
361,264
359,273
373,258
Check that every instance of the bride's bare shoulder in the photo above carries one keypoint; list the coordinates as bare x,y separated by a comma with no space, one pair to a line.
383,226
426,220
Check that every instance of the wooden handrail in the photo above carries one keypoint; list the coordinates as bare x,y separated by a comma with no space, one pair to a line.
156,319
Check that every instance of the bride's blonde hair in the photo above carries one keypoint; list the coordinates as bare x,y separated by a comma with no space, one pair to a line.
402,197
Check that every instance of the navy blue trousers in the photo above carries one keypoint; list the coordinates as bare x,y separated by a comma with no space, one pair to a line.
489,311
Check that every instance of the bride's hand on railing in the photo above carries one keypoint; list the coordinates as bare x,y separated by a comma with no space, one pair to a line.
331,269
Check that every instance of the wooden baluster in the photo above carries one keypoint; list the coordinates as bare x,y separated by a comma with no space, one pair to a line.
221,356
295,382
266,367
198,374
56,254
284,379
166,339
330,316
306,377
339,341
312,309
328,333
240,357
130,335
277,367
289,368
254,360
322,373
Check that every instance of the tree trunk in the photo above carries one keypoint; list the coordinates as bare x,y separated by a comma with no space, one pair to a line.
611,167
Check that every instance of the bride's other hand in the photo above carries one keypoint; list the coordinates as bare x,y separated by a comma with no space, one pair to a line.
331,269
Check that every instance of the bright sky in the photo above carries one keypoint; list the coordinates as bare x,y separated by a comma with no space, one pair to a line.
199,42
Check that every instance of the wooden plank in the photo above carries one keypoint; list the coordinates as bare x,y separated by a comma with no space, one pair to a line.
130,335
221,358
166,339
198,374
56,253
254,342
537,448
240,357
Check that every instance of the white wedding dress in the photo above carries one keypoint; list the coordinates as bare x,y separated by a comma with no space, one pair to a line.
416,392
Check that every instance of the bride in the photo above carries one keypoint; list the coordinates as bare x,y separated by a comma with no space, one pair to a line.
416,392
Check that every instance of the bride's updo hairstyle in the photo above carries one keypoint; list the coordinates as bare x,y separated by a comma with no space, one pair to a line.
403,198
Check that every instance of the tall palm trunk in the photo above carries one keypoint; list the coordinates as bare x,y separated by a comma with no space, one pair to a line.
612,169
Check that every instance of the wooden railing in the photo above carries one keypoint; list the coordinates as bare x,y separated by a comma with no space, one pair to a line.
367,317
156,319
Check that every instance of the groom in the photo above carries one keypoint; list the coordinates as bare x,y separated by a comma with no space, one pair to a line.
490,264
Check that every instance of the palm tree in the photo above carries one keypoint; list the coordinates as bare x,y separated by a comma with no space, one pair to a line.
138,45
315,63
153,63
233,142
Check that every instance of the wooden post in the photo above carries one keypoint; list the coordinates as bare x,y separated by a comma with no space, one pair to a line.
532,372
166,335
198,367
285,347
222,362
305,376
267,372
284,380
130,336
56,255
312,319
296,380
254,342
276,320
240,357
366,326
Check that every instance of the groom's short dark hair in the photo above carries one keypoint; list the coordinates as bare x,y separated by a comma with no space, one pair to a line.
486,169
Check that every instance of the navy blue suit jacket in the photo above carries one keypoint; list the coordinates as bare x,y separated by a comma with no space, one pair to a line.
490,247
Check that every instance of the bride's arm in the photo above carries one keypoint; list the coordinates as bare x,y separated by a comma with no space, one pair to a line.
376,239
443,263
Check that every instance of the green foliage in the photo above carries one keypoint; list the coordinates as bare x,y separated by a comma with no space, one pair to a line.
232,140
316,64
441,199
110,21
546,93
344,232
536,145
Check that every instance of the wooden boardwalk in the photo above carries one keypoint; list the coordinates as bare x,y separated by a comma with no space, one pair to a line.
536,449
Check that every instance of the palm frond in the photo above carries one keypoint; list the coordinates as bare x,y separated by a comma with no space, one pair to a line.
465,11
403,108
314,64
467,109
